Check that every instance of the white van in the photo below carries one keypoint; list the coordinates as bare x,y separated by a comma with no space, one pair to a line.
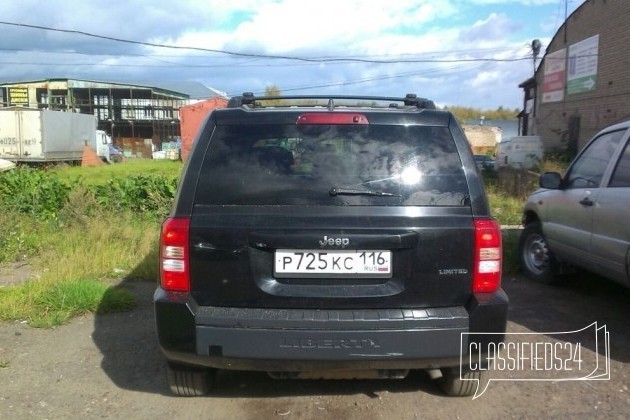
522,152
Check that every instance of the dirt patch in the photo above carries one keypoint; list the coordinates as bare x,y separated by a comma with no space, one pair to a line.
109,365
16,273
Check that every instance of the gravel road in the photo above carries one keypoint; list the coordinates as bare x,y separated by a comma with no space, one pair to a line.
108,366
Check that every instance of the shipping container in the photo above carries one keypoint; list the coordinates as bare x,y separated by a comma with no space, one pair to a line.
192,116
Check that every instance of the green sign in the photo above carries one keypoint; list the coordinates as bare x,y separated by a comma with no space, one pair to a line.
582,65
580,85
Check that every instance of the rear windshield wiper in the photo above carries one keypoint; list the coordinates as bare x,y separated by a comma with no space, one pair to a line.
353,191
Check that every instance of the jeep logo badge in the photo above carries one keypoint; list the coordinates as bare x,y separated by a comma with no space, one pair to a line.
339,242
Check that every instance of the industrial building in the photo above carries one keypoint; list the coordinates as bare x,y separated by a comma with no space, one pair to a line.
582,84
139,116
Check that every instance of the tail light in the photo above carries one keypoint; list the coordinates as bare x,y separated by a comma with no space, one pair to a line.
488,255
174,252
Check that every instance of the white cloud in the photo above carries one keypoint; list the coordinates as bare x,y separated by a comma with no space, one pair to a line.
495,26
514,2
486,78
394,29
281,27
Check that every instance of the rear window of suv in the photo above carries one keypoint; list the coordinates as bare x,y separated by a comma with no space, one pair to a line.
300,165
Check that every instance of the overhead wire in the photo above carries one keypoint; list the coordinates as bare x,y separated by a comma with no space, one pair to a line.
359,81
154,56
252,58
348,59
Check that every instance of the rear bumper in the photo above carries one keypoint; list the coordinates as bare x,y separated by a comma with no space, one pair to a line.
301,340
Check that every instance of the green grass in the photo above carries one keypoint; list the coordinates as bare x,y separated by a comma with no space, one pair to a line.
511,264
86,250
46,303
506,209
19,237
80,265
130,167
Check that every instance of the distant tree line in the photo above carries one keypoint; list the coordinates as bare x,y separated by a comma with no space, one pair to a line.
467,114
461,113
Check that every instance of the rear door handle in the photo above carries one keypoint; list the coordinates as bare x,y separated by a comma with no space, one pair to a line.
586,202
204,246
208,247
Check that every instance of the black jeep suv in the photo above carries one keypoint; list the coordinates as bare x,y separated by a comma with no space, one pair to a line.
318,236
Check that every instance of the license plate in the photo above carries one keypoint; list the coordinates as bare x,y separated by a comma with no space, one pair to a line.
337,263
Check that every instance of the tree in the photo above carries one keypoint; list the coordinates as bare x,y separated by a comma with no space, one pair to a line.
468,114
272,90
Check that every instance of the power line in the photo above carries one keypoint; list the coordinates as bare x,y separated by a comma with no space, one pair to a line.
267,56
251,62
366,80
171,65
189,65
254,57
427,53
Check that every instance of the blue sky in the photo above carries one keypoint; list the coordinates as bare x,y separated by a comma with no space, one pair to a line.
456,52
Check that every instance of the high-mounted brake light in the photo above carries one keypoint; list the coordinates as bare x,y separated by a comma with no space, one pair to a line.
332,118
488,256
174,252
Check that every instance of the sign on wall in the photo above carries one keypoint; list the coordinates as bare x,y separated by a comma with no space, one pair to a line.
583,65
554,76
18,96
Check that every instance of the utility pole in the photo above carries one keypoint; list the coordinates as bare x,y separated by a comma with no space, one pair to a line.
536,46
566,15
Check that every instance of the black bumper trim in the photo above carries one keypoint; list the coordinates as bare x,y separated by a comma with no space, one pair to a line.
327,335
451,317
299,339
327,345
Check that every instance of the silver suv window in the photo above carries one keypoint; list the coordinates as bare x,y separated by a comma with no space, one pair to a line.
589,168
621,176
332,165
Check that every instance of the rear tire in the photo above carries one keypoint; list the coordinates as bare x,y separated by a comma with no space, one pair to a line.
187,381
537,261
452,385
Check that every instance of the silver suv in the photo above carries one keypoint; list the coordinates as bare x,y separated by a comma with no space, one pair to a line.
583,218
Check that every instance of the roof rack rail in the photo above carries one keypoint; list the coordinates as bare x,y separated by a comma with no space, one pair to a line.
248,99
